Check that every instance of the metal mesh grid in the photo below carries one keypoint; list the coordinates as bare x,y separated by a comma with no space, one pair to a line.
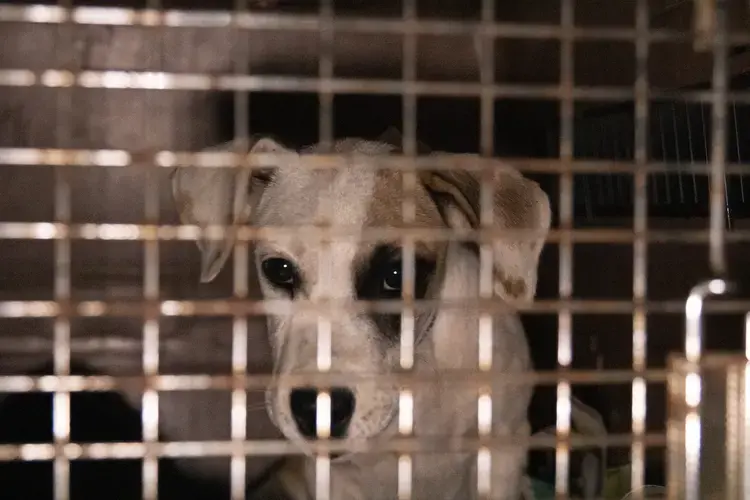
241,81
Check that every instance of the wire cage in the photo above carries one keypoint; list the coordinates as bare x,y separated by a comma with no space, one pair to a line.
126,371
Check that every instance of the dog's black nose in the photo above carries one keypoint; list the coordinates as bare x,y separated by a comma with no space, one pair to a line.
303,403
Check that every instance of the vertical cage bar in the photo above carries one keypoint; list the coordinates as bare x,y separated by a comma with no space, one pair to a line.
718,140
239,394
487,79
564,326
151,292
409,181
486,61
62,253
708,398
640,226
693,391
323,462
325,72
409,75
238,430
61,400
685,442
150,402
694,316
325,259
324,361
734,378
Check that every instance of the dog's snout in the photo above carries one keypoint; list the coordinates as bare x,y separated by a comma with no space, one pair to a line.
304,405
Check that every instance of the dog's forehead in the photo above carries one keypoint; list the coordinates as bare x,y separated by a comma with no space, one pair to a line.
299,196
354,198
387,211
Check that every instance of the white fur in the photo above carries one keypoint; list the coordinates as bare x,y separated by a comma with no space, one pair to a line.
294,339
443,410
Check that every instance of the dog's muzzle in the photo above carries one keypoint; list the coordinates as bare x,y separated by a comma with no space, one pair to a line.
303,403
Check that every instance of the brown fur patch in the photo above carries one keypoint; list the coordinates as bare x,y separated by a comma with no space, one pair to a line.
386,211
514,287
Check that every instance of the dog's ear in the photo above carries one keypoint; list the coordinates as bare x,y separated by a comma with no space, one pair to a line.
395,138
391,136
220,196
518,203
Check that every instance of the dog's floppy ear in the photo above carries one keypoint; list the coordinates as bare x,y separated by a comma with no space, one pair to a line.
220,196
518,203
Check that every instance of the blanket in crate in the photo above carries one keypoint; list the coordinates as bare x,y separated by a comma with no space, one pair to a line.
590,476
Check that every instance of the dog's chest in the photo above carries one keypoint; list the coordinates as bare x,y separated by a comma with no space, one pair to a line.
443,477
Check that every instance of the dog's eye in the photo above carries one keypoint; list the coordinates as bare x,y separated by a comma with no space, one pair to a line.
392,278
281,273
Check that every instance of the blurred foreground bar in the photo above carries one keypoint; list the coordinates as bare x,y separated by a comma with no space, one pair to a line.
708,428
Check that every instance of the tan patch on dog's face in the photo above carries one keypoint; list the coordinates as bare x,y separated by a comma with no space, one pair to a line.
387,203
386,211
374,260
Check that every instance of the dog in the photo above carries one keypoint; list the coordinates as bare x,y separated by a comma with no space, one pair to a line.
367,342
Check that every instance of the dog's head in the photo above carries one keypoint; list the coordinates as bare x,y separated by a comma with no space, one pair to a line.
296,267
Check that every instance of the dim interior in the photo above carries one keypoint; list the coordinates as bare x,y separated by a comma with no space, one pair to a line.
679,132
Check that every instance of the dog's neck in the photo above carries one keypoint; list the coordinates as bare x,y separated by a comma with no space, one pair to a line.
375,480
